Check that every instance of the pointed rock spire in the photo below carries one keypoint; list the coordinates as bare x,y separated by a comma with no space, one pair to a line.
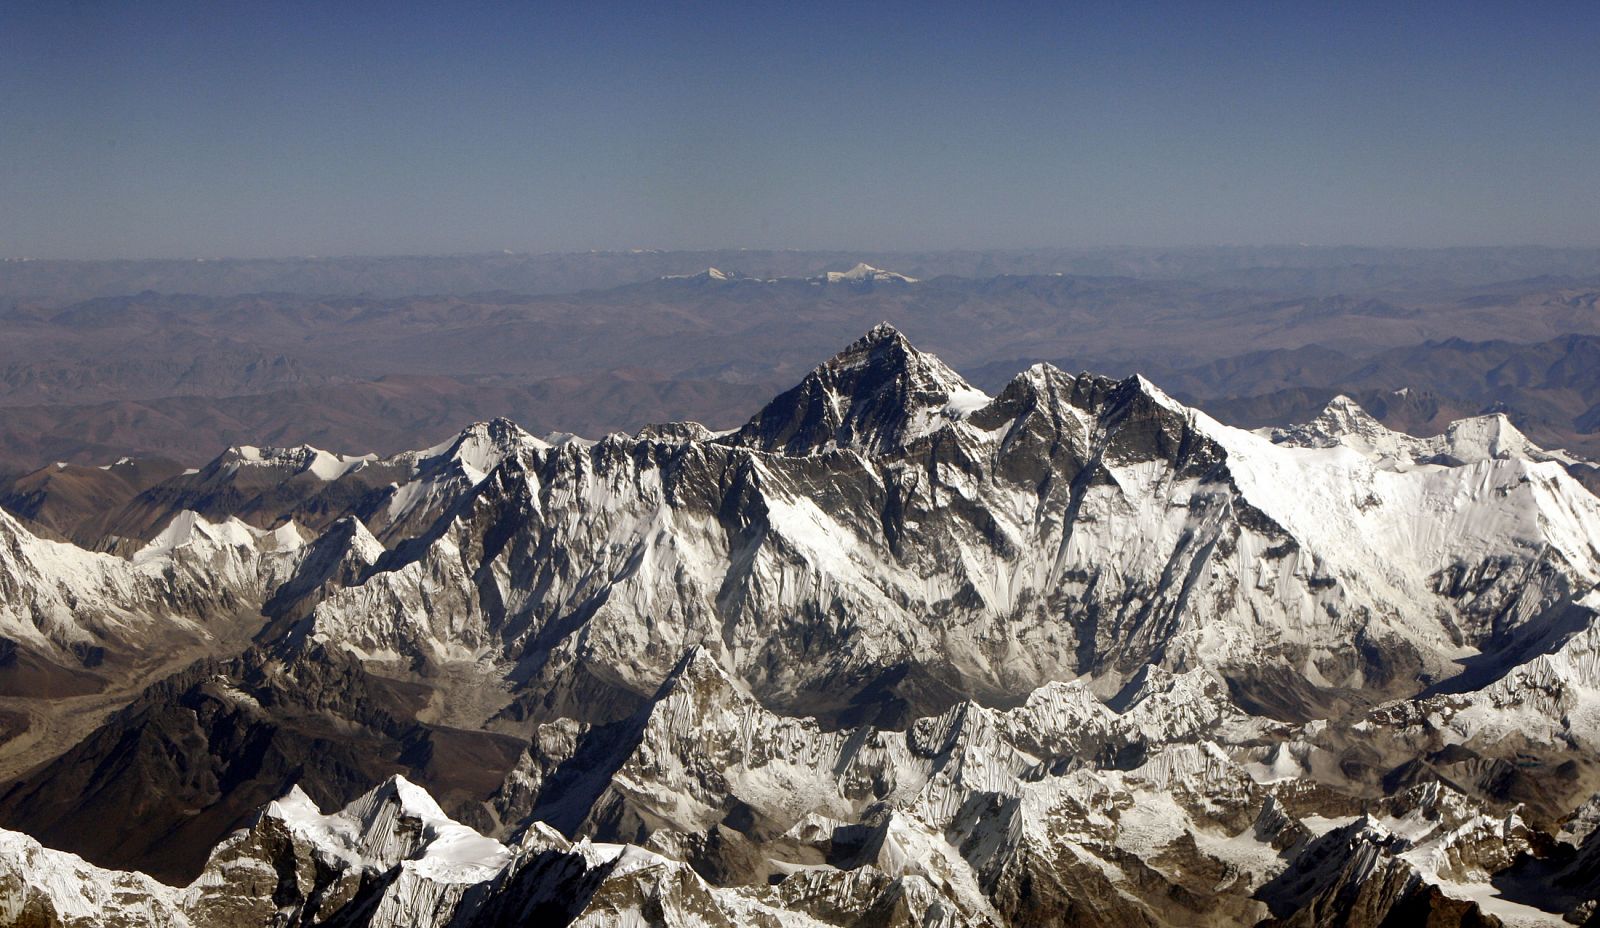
1342,421
876,395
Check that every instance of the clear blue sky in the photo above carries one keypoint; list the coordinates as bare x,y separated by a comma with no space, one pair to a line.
138,129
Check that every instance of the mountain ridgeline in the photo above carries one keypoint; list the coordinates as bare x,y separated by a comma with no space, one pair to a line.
894,652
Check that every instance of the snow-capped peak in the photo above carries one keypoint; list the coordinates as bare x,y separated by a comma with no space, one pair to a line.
864,272
1492,437
1344,423
878,393
478,449
1155,394
437,473
393,822
189,528
709,273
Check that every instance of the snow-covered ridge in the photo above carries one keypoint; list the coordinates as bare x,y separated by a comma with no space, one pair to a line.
64,603
709,273
923,498
1343,423
324,465
476,449
395,824
863,273
190,529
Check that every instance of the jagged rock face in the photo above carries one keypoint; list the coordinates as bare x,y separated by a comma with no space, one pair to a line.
391,858
879,533
896,652
72,622
876,396
966,801
710,810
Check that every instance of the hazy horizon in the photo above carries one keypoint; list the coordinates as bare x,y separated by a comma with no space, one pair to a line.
1133,247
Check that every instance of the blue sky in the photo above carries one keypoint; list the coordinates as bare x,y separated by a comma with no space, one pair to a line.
158,129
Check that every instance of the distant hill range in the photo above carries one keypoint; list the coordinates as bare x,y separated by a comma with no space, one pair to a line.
1316,270
173,359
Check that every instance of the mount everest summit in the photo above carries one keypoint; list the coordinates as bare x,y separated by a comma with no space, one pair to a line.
895,652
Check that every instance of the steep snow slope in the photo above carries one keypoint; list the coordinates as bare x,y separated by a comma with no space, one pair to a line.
1467,441
70,607
880,516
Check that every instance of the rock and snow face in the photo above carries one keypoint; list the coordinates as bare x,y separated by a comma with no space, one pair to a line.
40,886
883,514
391,858
66,612
391,855
432,481
894,652
876,397
323,465
713,811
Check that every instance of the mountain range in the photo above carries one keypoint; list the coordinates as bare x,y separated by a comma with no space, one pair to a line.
899,649
173,360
